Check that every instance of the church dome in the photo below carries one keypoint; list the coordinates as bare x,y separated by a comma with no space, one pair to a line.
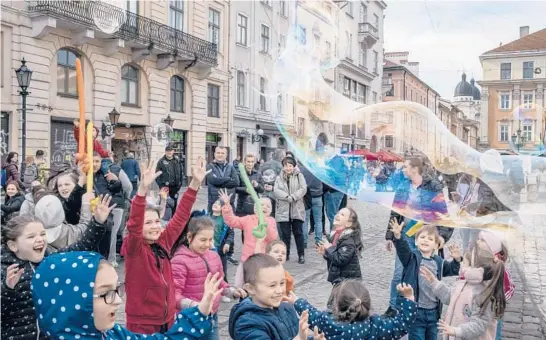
476,94
463,89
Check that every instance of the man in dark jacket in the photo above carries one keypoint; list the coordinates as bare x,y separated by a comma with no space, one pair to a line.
222,176
171,176
132,169
313,205
421,195
245,204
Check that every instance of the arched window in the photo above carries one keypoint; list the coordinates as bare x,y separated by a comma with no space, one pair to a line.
66,72
177,94
129,85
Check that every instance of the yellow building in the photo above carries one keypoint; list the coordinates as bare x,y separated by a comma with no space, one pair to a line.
513,85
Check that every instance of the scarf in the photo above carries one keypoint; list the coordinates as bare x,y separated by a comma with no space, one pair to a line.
337,235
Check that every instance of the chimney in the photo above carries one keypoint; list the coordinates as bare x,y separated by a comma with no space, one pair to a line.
523,31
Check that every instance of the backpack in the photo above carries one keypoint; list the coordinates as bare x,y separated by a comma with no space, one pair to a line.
3,175
30,175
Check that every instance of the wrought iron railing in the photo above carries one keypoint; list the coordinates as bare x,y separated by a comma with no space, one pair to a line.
133,27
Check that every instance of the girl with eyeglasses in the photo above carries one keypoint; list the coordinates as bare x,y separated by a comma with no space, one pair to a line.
77,295
24,246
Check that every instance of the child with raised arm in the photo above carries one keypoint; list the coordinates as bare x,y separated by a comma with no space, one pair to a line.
247,224
151,300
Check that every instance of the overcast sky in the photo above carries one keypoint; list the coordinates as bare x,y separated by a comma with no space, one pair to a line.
446,37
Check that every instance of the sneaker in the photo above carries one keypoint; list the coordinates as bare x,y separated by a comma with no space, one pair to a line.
301,260
390,313
226,299
233,261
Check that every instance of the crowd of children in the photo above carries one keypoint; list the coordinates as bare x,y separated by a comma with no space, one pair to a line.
175,275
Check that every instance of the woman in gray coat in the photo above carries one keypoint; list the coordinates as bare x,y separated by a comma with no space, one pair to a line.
289,190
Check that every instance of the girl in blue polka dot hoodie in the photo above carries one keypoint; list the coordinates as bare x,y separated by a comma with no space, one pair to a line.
351,319
77,294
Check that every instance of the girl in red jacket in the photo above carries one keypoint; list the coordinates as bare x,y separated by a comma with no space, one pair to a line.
151,300
192,261
97,146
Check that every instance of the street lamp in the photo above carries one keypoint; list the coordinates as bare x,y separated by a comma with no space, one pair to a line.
518,140
24,74
258,136
169,121
114,116
353,142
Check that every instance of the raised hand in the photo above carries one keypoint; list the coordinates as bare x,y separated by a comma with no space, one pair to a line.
427,274
303,326
396,228
290,298
13,274
406,291
211,292
147,177
455,252
111,176
88,197
224,197
103,209
163,193
239,293
199,171
317,335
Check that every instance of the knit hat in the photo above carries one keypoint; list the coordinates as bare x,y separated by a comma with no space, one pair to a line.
494,243
49,210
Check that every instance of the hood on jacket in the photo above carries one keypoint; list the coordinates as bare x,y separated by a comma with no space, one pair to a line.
29,197
62,291
49,210
270,318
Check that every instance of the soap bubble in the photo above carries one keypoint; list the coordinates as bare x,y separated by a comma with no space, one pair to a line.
162,134
108,16
526,134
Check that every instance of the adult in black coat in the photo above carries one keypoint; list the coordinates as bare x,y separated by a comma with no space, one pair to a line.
13,202
171,173
222,176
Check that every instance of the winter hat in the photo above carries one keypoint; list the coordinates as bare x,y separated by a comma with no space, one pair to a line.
494,243
49,210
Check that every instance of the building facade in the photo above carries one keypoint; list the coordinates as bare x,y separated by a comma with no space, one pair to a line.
258,35
357,49
403,131
513,89
148,60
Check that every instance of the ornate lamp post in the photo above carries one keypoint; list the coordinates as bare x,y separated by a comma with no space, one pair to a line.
518,140
24,74
169,121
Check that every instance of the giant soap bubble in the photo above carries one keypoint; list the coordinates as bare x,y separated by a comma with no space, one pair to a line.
393,132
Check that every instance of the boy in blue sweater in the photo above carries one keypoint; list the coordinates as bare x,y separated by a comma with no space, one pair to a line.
427,241
263,315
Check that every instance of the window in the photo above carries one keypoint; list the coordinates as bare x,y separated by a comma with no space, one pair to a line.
349,45
361,94
528,70
362,56
129,85
213,98
302,35
375,62
506,71
214,27
363,13
66,72
527,133
346,130
389,141
528,100
241,88
505,101
301,126
346,87
265,39
132,6
282,41
263,92
177,94
280,101
283,9
242,29
374,96
376,21
176,14
328,50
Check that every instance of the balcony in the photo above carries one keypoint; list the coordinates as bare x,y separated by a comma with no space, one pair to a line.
368,34
144,36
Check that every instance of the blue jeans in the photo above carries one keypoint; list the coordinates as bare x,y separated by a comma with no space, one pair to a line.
499,329
316,209
332,201
397,276
425,326
213,335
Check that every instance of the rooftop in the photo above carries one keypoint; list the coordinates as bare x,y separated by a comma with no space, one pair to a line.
532,42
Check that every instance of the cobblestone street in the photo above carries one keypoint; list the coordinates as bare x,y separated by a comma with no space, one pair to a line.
523,318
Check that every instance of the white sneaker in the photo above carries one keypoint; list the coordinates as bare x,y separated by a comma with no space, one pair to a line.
226,299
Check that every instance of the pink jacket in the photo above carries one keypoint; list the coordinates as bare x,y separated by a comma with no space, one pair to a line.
247,224
463,311
190,272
